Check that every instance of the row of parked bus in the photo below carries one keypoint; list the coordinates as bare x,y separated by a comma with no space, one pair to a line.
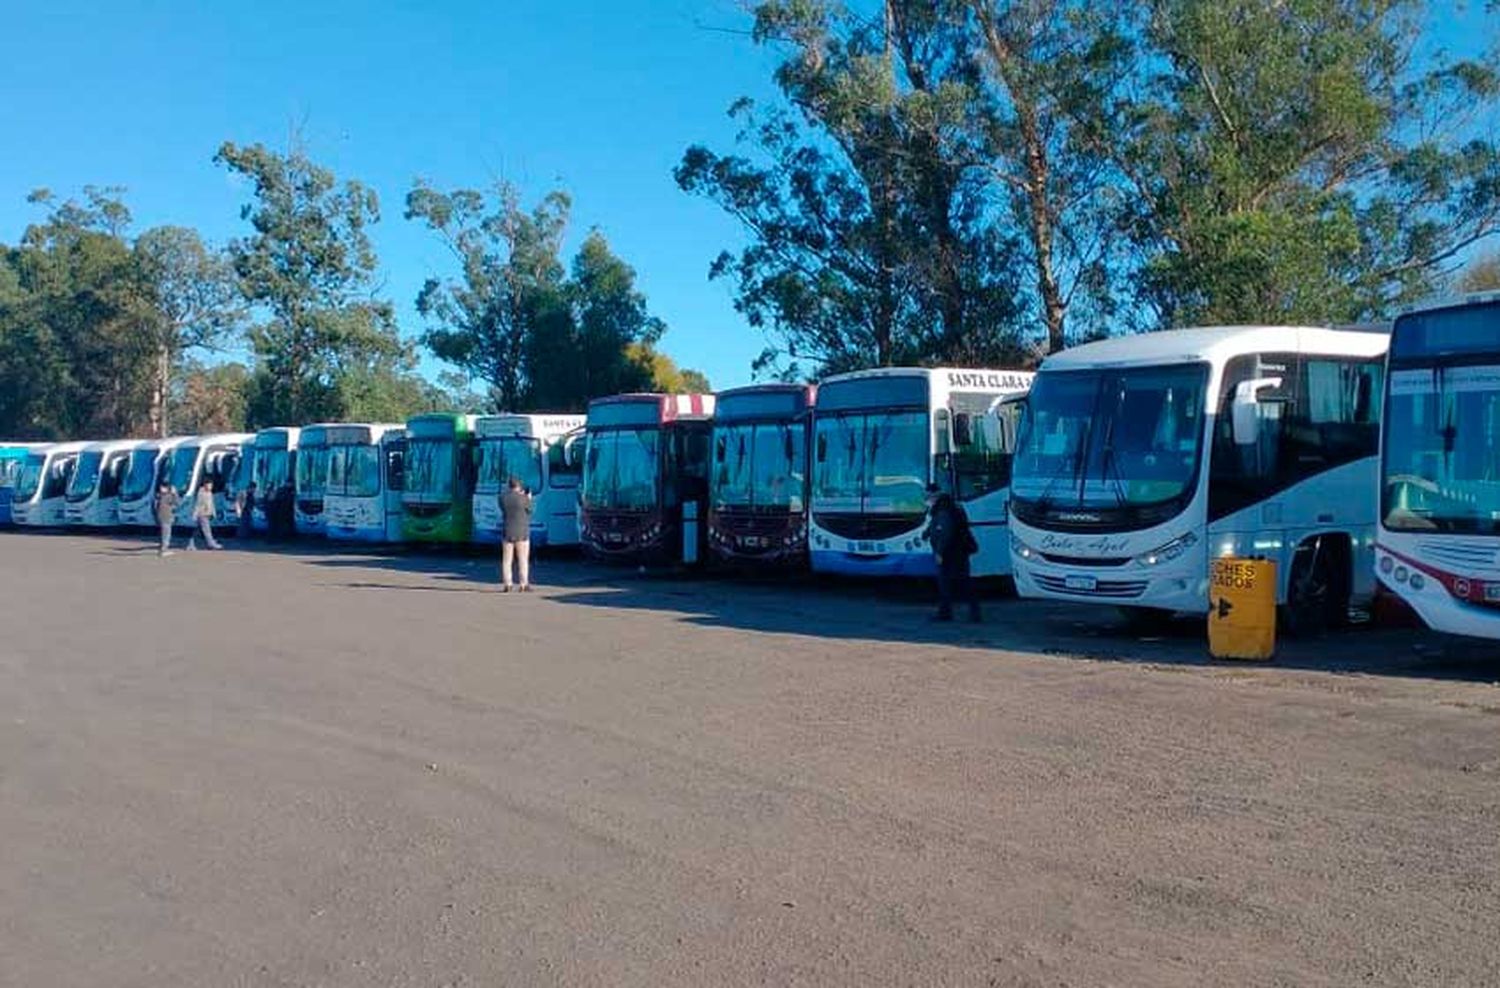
1111,476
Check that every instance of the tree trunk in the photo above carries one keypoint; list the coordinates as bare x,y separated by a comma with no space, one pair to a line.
161,392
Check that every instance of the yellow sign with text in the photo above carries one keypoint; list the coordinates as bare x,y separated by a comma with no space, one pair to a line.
1242,608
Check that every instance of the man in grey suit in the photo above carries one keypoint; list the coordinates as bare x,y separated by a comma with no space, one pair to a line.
515,537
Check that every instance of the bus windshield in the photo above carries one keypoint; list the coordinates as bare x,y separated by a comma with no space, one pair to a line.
1442,428
184,459
1111,438
875,462
507,457
759,466
270,470
10,469
141,476
312,470
429,468
86,476
621,469
30,479
354,470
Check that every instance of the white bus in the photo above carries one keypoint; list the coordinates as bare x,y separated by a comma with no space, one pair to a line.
366,471
311,475
1439,541
40,495
148,465
206,458
93,497
275,468
881,436
532,448
1141,457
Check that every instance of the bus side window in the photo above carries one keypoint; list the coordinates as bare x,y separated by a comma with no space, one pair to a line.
395,469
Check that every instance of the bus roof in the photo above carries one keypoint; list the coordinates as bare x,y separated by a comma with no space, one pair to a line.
669,407
1218,343
56,449
361,433
114,445
528,425
1450,302
221,439
439,423
762,401
315,435
277,437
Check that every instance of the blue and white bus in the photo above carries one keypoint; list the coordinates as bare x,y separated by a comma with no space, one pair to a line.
311,475
881,436
149,462
1142,457
12,459
366,469
1439,541
533,449
275,467
206,459
40,499
93,497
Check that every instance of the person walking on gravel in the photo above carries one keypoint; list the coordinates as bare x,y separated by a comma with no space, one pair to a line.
204,510
952,544
166,512
515,539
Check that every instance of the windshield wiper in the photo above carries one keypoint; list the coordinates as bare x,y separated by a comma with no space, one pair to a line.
1108,468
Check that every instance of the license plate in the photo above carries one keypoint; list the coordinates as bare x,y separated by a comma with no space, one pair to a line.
614,537
1080,582
1492,592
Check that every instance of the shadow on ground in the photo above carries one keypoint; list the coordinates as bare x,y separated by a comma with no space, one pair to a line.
880,611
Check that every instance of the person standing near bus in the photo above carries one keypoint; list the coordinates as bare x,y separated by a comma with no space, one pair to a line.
166,510
204,510
515,541
952,543
245,508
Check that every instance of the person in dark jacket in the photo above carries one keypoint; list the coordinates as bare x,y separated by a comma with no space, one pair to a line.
515,537
246,511
952,544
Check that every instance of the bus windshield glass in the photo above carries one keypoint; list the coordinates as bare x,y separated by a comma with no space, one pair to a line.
1442,428
429,468
184,459
1111,438
872,462
759,466
312,470
86,476
270,470
507,457
10,469
621,469
31,478
354,470
141,476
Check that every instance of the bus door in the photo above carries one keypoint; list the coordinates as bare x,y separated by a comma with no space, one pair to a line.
393,464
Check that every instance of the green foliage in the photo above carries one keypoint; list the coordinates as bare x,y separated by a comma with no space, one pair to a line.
307,272
1482,275
539,336
1301,162
660,372
75,320
208,399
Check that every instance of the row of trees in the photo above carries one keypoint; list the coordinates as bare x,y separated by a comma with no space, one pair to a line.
104,332
991,180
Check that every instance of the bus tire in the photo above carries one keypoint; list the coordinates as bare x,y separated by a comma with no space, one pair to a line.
1317,589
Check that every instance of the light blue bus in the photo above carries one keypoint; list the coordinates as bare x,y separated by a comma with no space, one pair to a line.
12,459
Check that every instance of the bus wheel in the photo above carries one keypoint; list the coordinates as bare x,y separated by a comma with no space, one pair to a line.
1317,597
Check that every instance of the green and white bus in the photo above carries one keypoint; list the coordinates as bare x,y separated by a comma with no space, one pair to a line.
437,504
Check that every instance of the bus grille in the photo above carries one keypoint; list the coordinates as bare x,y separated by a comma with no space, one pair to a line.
1108,589
1463,556
744,523
425,510
1085,560
867,527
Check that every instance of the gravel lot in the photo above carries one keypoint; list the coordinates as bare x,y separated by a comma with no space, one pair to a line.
309,768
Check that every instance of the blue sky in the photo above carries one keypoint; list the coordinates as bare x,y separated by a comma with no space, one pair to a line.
599,98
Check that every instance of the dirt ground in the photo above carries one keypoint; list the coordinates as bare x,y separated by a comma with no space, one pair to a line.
311,768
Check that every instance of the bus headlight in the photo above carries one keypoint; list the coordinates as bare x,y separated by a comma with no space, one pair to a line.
1020,549
1170,551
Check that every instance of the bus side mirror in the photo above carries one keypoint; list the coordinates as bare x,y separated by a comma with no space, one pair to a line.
1244,410
963,429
